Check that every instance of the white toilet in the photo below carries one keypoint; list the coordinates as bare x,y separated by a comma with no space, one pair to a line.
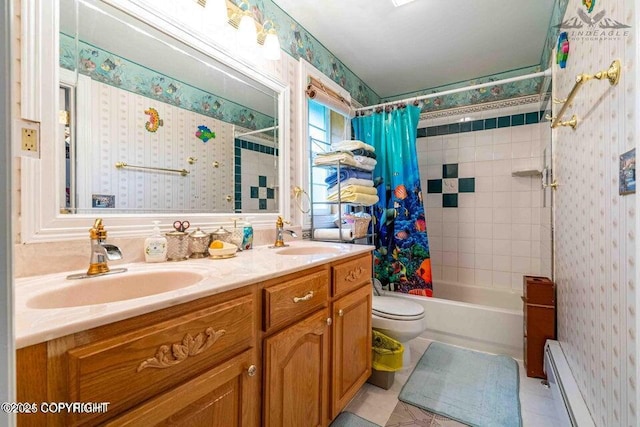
398,318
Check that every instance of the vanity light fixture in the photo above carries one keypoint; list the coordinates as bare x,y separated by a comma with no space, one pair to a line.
247,33
271,46
215,13
253,34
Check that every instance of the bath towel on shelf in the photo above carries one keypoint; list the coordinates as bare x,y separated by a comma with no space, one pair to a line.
363,152
346,173
349,145
366,162
355,194
351,181
346,158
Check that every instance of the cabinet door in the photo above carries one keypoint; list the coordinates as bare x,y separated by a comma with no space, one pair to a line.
296,361
351,346
225,396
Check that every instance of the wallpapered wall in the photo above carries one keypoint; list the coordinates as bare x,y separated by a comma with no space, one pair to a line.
595,227
119,135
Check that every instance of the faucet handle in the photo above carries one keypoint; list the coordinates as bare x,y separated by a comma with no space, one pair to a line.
281,222
98,231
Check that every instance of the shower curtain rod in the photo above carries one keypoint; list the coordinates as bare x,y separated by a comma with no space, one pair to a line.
257,131
544,73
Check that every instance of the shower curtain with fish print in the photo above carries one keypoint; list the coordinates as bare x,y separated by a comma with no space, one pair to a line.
401,257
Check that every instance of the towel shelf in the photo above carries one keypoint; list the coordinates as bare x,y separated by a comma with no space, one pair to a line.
612,74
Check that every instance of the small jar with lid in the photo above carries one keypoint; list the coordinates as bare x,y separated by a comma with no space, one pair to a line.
177,245
221,234
199,243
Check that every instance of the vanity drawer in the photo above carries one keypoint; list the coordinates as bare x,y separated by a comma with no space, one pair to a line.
351,275
293,299
131,367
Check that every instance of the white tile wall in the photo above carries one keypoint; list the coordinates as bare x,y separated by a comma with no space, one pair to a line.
493,238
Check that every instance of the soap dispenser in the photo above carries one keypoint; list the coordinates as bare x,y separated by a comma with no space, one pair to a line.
155,246
247,240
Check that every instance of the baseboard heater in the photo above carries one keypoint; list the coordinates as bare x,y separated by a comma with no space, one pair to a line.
570,406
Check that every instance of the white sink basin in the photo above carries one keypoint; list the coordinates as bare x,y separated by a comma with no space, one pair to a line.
112,288
308,250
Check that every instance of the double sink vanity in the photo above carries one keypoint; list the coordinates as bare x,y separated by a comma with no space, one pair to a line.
272,337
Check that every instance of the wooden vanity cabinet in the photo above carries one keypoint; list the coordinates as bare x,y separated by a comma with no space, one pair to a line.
188,362
220,397
351,356
292,351
296,373
351,340
314,366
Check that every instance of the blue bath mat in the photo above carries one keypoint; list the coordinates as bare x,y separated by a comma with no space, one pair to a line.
347,419
474,388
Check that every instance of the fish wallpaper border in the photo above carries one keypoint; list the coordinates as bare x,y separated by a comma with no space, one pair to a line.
106,67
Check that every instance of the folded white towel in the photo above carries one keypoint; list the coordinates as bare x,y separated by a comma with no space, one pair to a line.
345,158
365,160
351,145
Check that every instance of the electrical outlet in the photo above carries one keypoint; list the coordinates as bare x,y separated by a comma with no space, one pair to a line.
26,138
30,140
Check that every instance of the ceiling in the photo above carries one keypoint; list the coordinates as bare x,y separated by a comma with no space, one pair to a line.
426,43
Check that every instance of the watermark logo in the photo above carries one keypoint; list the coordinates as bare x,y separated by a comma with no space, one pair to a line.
599,26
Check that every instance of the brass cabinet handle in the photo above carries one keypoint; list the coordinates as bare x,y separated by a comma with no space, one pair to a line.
307,297
341,313
329,321
252,370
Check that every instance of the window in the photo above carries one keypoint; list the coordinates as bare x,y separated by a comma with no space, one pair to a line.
325,126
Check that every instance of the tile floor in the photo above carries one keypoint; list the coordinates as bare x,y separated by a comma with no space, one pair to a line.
376,404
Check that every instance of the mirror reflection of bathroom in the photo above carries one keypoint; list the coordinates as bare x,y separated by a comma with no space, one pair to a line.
189,134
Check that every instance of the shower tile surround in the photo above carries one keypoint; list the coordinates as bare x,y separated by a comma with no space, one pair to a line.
484,224
255,175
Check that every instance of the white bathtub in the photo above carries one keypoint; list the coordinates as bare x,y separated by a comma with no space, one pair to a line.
484,319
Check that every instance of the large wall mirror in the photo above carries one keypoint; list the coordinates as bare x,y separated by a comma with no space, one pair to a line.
154,122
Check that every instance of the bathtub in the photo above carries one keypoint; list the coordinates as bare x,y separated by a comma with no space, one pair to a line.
483,319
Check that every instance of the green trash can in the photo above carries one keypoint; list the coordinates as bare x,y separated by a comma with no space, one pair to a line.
386,355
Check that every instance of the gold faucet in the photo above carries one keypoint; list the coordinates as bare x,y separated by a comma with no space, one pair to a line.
101,251
279,243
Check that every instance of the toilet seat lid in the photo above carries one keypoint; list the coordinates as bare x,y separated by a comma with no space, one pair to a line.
396,308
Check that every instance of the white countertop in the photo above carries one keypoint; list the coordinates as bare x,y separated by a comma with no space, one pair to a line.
36,325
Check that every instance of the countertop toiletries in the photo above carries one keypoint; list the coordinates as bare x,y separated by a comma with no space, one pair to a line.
178,242
199,243
247,240
221,234
155,246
